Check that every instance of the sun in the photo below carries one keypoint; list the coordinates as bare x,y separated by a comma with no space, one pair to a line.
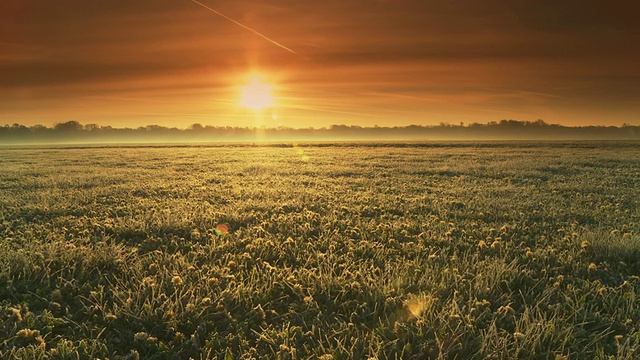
256,95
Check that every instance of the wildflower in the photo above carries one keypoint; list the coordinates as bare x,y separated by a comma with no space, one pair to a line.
168,315
177,280
482,244
140,336
495,245
592,267
28,333
506,310
15,314
602,291
518,336
584,244
206,301
178,337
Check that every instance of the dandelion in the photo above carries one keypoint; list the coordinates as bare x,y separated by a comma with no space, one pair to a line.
518,336
592,267
495,245
602,291
177,280
140,336
506,310
178,337
15,314
168,315
28,333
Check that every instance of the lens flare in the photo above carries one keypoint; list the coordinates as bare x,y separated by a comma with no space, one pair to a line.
221,229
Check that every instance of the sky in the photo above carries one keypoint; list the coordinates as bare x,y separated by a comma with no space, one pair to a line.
174,63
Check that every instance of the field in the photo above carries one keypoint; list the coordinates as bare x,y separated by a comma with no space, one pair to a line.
321,251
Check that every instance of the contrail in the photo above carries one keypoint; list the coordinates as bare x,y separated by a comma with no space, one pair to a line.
245,27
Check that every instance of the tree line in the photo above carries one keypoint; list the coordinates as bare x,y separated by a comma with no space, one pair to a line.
75,132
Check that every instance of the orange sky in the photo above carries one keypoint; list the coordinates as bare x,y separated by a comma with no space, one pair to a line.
364,62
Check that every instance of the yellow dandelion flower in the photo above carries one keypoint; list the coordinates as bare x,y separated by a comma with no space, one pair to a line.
518,336
16,315
28,333
140,336
177,280
592,267
602,291
495,245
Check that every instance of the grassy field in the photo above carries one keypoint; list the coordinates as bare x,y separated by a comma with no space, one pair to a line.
451,251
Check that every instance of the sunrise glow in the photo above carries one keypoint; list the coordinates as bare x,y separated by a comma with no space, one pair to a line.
256,95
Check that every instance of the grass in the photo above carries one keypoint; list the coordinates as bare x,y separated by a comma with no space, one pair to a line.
441,251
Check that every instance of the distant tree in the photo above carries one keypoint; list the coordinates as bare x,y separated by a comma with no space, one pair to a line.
68,126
